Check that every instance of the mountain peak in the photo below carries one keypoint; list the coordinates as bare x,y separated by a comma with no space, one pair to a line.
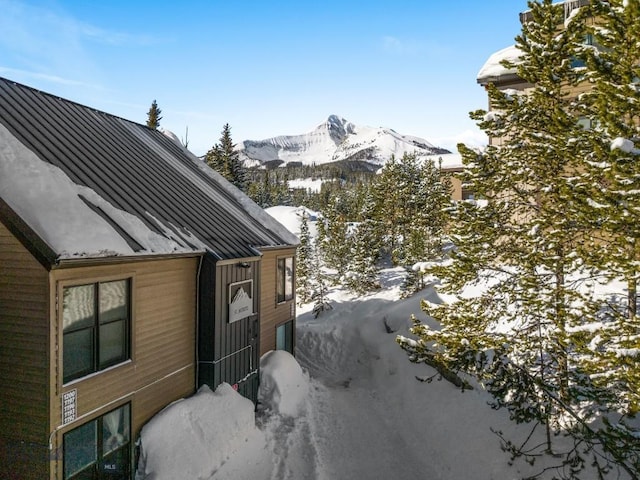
338,128
335,140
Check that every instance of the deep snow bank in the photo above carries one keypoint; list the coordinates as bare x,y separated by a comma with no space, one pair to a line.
283,385
192,438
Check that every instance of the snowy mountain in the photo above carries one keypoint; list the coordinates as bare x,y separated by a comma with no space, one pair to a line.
332,141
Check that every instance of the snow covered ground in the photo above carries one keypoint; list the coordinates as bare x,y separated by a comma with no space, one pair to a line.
348,406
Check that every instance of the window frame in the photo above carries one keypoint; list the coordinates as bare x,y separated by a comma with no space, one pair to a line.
96,364
288,331
283,280
98,464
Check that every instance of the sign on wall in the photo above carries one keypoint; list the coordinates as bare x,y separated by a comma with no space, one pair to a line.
240,300
69,406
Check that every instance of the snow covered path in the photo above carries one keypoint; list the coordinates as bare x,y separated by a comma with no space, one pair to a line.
357,438
353,411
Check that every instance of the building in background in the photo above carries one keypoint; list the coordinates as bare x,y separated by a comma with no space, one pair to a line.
130,274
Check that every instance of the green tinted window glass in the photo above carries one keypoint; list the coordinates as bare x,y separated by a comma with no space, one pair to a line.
80,449
78,351
113,344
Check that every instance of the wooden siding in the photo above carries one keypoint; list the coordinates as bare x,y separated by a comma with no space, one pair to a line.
456,183
24,334
228,352
162,365
273,313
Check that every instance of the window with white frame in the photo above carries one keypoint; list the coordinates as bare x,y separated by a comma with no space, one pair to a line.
285,279
96,321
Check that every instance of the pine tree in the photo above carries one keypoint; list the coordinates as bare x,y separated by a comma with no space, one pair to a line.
362,272
319,285
319,295
335,237
388,202
410,198
304,261
153,116
611,184
225,159
527,248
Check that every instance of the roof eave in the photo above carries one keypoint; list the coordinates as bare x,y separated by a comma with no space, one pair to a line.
118,259
42,252
507,78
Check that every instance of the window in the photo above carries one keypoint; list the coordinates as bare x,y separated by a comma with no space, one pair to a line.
100,449
578,62
284,337
285,279
96,326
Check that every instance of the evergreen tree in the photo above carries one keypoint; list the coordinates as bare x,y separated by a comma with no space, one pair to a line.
529,241
224,158
362,272
410,198
336,239
610,109
611,185
153,116
304,261
386,195
319,291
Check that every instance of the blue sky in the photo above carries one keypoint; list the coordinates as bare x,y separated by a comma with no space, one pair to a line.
265,67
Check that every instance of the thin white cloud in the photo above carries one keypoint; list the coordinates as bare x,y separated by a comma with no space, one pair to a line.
408,47
14,72
28,28
396,46
114,38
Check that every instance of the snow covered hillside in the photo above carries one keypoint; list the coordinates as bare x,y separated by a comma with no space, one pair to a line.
332,141
349,406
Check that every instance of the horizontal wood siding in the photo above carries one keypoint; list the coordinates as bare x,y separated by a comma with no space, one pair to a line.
162,365
272,314
456,183
24,343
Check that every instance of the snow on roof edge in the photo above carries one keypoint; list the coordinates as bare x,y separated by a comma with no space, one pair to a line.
493,67
59,210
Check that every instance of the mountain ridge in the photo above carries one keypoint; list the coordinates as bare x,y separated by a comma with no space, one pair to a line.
334,140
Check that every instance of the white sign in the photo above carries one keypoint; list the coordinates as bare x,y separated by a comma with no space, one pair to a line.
240,300
69,406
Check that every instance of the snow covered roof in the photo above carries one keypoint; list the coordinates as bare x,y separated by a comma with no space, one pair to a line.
448,161
493,70
79,183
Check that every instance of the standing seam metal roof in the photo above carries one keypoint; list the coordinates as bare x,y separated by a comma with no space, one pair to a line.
134,168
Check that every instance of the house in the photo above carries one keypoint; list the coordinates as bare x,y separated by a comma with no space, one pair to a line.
451,165
493,72
130,274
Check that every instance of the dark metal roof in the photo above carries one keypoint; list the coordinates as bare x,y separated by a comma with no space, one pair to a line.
138,170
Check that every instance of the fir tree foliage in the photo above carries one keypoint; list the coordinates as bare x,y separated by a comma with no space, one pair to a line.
336,238
153,116
305,267
411,196
526,335
225,159
270,187
613,207
319,284
362,271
